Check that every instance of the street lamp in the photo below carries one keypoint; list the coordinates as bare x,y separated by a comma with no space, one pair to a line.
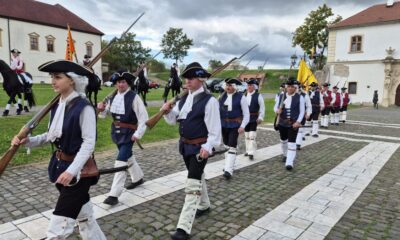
293,60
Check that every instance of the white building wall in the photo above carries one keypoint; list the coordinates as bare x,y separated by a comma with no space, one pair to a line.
369,77
19,32
376,39
4,49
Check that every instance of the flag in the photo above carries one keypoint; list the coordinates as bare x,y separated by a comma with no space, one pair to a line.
70,51
305,76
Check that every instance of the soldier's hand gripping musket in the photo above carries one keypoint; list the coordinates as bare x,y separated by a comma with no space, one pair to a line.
6,158
156,118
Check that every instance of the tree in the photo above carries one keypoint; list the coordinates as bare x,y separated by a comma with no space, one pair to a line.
214,64
313,34
175,44
156,66
125,53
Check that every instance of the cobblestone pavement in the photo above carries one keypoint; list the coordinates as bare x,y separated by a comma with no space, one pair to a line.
376,213
383,115
235,203
25,191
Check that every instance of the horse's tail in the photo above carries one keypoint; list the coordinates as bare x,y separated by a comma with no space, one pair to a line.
166,91
30,97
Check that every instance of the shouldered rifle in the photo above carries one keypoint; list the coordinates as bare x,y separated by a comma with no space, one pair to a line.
277,116
152,121
23,133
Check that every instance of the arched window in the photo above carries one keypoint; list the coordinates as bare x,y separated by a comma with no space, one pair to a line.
34,41
89,48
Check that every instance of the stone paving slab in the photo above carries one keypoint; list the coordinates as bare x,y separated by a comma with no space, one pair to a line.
376,213
26,190
252,192
318,206
384,115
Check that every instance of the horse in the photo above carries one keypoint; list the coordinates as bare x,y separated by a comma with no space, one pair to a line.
15,86
175,85
141,86
93,86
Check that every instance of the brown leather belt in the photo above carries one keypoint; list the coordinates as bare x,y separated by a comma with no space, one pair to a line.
254,114
126,125
288,121
238,119
194,141
65,157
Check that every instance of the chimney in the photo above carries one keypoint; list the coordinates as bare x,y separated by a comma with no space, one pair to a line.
390,3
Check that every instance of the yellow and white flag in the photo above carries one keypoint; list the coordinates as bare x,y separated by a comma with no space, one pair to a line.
305,76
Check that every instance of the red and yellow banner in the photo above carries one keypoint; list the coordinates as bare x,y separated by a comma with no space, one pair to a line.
70,51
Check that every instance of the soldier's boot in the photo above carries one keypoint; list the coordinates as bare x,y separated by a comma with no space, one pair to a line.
284,146
193,190
230,163
136,173
117,185
60,227
299,139
252,144
291,155
26,109
337,118
344,116
88,227
315,127
246,141
204,205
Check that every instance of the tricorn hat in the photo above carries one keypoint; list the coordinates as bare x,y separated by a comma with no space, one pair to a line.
343,88
64,66
292,81
233,81
283,85
335,87
313,84
122,75
195,70
15,51
326,84
252,81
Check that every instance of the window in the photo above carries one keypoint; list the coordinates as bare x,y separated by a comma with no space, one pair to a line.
50,43
1,37
34,41
89,48
356,44
352,88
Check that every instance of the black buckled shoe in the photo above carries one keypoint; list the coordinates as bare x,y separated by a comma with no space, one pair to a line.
26,109
110,200
227,175
200,213
135,184
298,147
5,113
246,154
251,157
315,135
289,167
179,234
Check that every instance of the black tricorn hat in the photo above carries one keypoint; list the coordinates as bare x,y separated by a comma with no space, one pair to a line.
252,81
86,56
15,51
195,70
313,84
233,81
122,75
343,88
283,85
326,84
64,66
335,87
292,81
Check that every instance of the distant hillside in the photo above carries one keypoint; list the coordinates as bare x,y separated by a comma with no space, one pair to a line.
271,83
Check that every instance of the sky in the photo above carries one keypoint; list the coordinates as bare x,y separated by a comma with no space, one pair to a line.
220,29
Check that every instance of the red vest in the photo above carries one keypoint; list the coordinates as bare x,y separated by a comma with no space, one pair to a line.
345,99
337,100
19,71
327,99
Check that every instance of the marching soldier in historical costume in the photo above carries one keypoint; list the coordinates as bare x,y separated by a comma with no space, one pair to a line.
74,151
290,108
346,101
337,104
234,118
281,90
329,98
17,64
129,115
200,129
255,101
308,111
317,103
375,99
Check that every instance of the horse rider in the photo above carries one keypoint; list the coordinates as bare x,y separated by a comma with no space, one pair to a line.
17,64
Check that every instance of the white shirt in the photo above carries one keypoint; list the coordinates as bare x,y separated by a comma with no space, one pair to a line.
16,63
307,101
87,123
211,119
261,111
140,111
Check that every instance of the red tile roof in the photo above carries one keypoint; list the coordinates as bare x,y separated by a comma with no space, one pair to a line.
45,14
377,14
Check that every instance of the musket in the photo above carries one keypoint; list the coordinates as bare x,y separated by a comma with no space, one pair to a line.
113,93
152,121
32,124
276,121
